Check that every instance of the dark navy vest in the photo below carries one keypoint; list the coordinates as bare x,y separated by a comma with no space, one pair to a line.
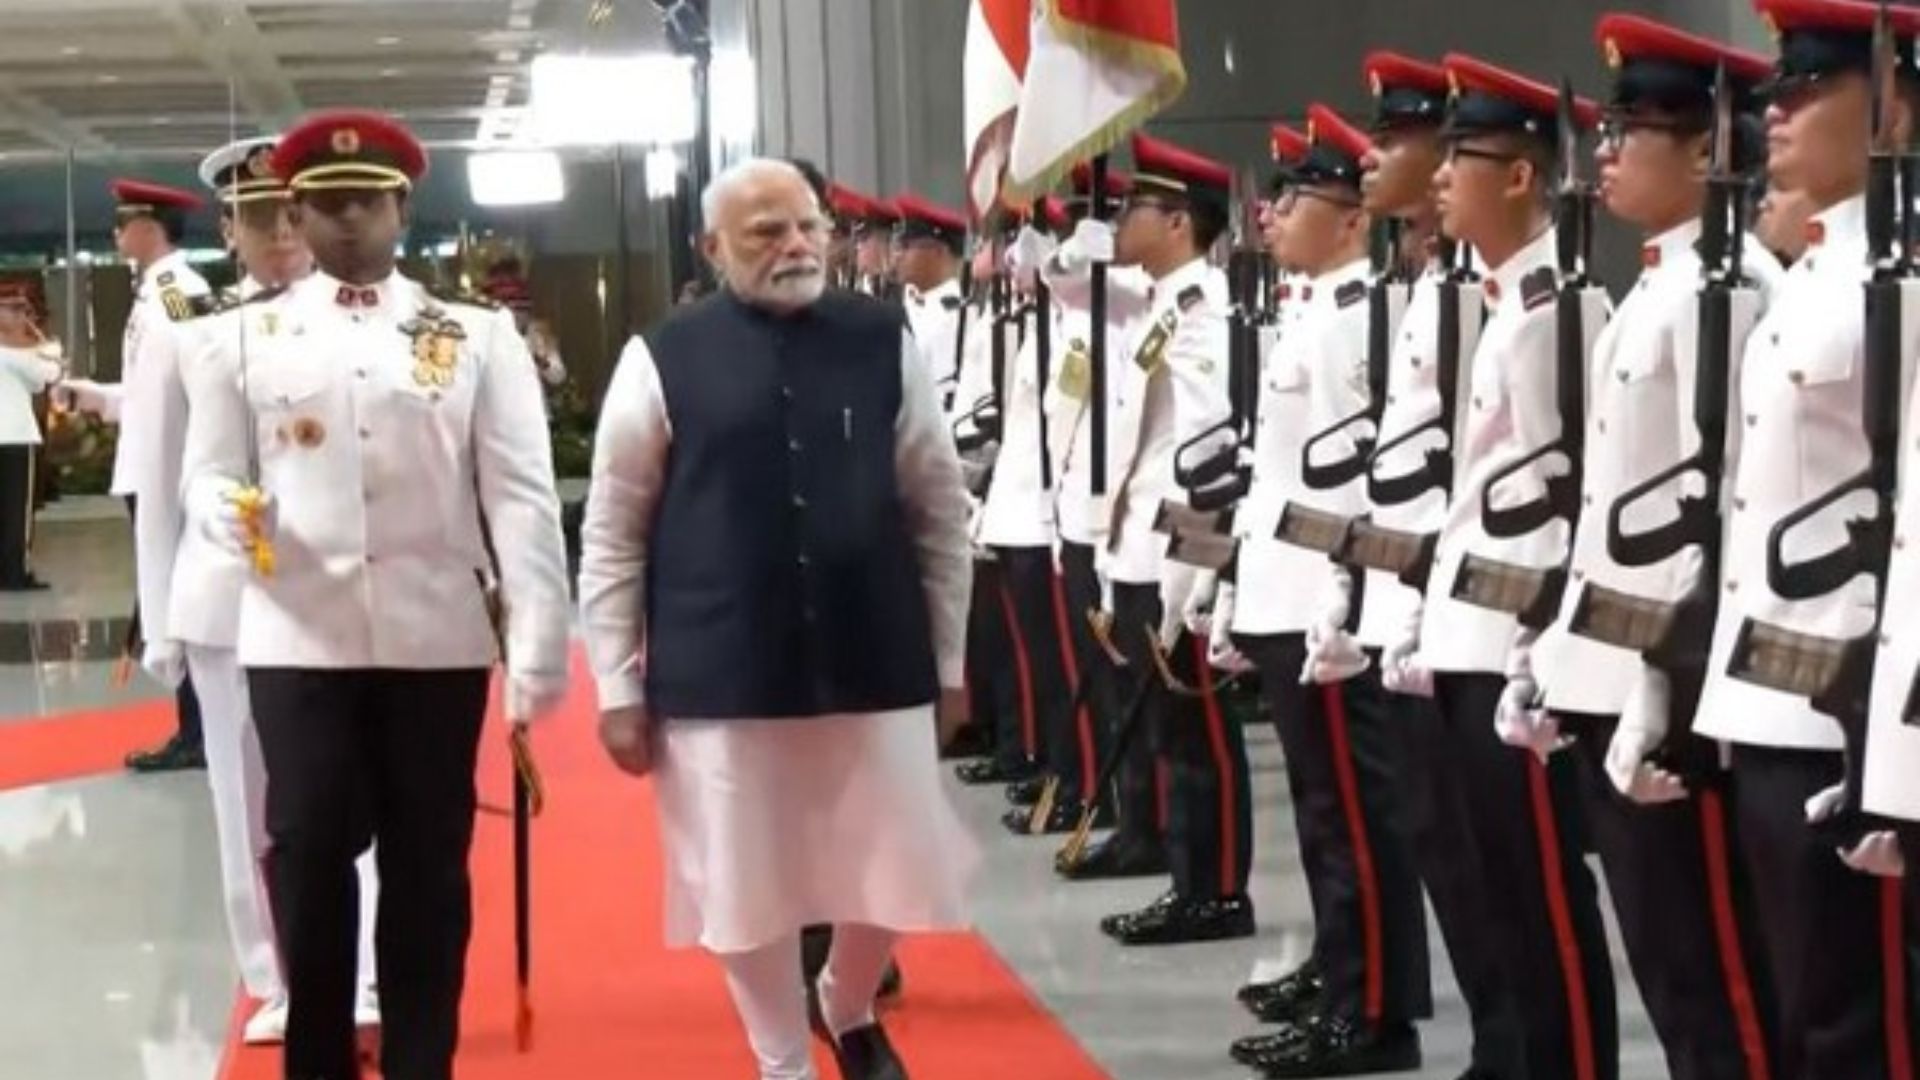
781,577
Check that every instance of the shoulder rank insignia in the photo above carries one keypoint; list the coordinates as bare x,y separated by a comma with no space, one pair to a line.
1537,288
1190,296
455,296
165,278
436,346
181,307
1153,349
951,303
1350,294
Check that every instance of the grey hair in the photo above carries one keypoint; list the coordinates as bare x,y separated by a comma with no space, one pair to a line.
737,173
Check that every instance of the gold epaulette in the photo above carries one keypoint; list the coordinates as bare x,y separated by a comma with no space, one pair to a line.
449,295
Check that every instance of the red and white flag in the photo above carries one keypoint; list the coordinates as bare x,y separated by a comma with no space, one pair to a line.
1096,70
996,61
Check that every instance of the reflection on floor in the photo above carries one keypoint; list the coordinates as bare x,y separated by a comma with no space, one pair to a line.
109,905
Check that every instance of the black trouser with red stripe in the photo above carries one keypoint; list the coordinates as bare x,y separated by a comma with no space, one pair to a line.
1210,810
1685,908
993,691
1546,911
1143,777
1076,592
1345,762
1835,938
1448,855
1041,660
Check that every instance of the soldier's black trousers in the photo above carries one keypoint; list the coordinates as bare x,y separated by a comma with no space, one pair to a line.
16,511
1076,592
993,692
1833,936
1548,931
1210,809
1685,908
1144,778
364,757
1043,661
1345,762
1450,863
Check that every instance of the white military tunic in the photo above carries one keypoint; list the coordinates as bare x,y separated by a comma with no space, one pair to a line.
936,320
1069,424
759,817
162,300
386,431
1800,400
1893,746
1019,507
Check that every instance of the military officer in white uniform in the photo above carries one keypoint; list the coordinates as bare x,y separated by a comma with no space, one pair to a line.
1801,395
29,363
177,558
1494,195
928,242
1681,912
399,437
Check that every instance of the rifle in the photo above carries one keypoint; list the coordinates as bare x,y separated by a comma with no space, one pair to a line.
1319,530
1675,636
1836,674
1532,594
1210,465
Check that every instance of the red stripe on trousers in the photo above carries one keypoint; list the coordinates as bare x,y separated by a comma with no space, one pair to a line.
1162,793
1371,931
1021,672
1726,929
1082,720
1560,911
1893,944
1217,740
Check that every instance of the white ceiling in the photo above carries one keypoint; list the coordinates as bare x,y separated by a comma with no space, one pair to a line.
146,79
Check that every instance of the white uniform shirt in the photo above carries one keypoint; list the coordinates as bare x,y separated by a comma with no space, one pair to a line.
1069,422
629,471
935,317
161,301
1512,411
24,372
1019,508
1172,387
1800,398
1893,746
1312,374
1413,399
387,434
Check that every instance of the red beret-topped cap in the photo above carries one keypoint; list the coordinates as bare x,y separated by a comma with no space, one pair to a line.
349,148
1783,16
1287,145
1490,98
1328,128
1405,90
1051,213
1160,164
1626,38
915,210
141,196
1118,183
846,204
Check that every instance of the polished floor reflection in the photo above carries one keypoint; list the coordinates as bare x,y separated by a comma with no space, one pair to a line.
117,962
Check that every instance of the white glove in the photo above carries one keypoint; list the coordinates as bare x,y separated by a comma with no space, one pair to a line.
238,519
1643,728
532,698
1826,804
1091,242
1197,612
1878,854
1222,653
166,661
85,396
1521,722
1029,252
1400,669
1059,567
1332,654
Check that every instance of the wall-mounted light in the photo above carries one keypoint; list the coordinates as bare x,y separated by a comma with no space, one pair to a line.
734,91
603,100
516,178
663,173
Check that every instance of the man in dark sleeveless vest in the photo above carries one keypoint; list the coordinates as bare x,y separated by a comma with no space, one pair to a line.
774,582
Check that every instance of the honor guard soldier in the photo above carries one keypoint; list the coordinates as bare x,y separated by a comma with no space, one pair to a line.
1171,389
1135,848
401,448
1291,619
29,363
177,558
873,250
1802,384
149,222
928,242
850,211
1683,915
1503,137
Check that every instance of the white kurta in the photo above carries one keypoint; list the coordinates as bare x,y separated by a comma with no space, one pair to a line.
768,825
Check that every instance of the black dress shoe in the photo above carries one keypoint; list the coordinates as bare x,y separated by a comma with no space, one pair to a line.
174,755
974,740
1189,920
1292,997
1063,818
1026,792
1111,925
1255,1048
28,583
1118,856
1341,1047
892,983
994,771
865,1054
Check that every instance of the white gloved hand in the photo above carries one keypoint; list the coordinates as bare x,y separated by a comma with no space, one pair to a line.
1521,722
1222,653
1059,566
1401,671
1196,612
241,517
532,698
1642,730
1091,242
1826,803
166,661
84,396
1029,252
1332,654
1879,854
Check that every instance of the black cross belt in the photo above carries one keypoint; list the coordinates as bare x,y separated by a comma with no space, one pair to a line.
1529,593
1406,555
1315,530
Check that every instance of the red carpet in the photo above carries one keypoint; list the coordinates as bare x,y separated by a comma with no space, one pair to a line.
79,744
611,1002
